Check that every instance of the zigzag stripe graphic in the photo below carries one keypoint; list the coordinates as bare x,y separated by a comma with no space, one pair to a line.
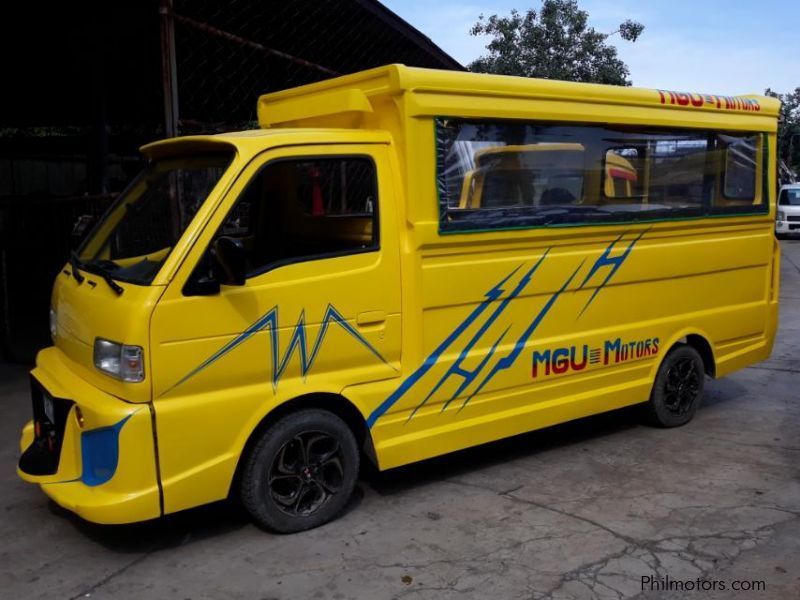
507,361
297,342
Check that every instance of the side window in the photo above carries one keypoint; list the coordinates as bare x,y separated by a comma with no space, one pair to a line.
303,209
682,172
740,167
502,174
526,177
623,174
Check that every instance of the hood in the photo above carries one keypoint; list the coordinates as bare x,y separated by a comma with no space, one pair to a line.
88,310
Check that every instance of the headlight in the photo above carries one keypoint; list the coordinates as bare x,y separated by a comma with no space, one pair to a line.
119,360
781,216
53,324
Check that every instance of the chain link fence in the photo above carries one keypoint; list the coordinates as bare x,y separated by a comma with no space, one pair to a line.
30,259
228,53
134,71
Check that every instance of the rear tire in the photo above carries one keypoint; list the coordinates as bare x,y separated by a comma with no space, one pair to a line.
301,471
677,389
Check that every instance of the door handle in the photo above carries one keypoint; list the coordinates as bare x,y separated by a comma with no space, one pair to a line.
371,317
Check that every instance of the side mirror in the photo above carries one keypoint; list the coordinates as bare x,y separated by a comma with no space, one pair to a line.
231,263
81,226
204,285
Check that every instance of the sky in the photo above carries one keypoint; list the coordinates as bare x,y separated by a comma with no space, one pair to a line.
713,46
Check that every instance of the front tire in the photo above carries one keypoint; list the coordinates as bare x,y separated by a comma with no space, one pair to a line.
678,388
301,471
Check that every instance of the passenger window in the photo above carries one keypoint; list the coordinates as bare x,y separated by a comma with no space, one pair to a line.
296,210
682,173
495,174
527,176
740,168
623,180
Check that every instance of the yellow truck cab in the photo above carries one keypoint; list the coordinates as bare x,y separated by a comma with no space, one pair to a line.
398,264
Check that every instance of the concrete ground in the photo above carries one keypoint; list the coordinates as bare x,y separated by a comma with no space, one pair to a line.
584,510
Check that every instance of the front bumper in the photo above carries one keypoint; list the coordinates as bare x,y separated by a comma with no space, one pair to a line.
787,227
106,470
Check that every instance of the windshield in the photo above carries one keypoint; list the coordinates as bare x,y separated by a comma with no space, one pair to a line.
138,232
790,197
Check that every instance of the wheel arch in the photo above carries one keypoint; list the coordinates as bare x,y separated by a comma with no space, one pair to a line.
700,342
329,401
706,351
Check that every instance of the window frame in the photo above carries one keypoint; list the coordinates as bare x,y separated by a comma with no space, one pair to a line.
706,211
376,241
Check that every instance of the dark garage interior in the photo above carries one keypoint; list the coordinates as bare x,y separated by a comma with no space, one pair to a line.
91,82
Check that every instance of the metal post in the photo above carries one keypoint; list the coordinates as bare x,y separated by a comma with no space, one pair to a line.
169,74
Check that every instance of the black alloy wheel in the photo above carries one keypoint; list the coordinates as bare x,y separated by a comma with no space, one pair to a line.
677,389
300,471
681,386
306,473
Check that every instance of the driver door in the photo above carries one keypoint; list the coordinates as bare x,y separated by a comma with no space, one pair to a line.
319,309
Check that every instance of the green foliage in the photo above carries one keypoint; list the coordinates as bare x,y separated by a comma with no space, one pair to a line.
554,42
789,127
630,30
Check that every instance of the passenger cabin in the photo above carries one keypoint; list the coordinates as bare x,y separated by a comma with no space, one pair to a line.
639,146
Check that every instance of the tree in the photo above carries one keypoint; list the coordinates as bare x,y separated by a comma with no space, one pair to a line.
553,43
789,127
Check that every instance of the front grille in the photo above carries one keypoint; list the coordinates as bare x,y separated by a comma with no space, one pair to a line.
793,218
43,455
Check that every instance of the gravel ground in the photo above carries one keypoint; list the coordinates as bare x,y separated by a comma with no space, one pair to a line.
583,510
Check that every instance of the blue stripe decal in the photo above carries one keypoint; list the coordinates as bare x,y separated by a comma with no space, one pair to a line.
502,364
508,361
242,337
605,260
298,342
490,296
478,370
469,376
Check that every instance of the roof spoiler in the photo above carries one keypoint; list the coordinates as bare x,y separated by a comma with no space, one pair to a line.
322,104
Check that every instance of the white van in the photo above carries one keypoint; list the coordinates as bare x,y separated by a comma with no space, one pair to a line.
788,219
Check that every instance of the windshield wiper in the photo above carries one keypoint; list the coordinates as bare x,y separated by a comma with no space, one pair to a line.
118,289
75,262
97,269
93,268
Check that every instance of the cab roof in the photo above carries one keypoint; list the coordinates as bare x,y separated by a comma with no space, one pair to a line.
253,141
